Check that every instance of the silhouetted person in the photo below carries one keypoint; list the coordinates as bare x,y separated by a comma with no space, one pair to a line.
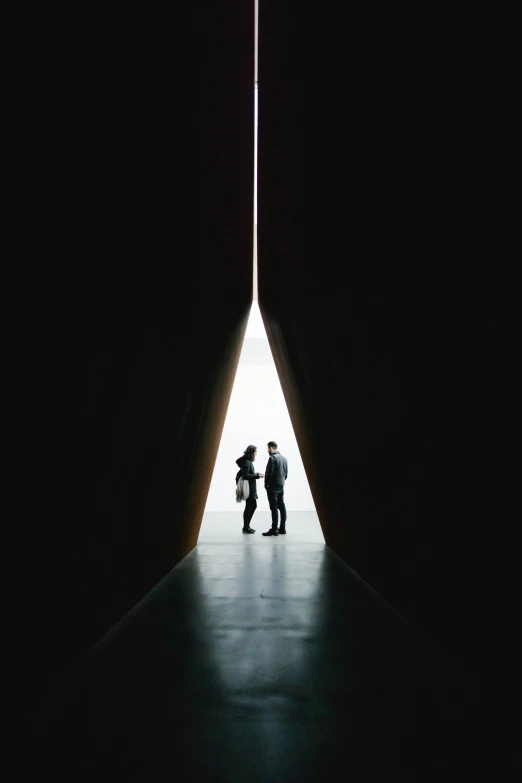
246,466
276,474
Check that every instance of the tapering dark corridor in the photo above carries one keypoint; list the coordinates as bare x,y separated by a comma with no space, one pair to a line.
391,652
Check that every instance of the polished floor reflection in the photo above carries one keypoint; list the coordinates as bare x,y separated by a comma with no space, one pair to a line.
260,660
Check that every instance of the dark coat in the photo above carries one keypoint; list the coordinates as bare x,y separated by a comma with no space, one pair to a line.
246,470
276,471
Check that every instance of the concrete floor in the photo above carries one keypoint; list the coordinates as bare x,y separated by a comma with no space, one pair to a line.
261,659
223,526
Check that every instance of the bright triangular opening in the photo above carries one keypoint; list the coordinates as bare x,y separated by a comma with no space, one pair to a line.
257,413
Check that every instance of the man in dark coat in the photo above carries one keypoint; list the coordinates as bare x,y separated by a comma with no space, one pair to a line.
276,474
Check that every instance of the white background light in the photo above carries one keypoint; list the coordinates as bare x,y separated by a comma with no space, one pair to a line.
256,414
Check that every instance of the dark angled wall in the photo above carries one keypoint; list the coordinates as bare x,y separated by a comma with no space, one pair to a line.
140,217
377,251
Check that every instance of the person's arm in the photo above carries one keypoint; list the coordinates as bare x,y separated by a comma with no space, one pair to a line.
268,472
286,469
248,471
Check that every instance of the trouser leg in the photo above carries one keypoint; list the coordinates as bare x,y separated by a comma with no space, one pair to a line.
272,500
248,513
282,509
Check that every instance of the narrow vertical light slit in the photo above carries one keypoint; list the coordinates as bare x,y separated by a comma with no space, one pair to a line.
255,192
256,105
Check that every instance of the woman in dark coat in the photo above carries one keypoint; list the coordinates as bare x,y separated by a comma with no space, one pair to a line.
246,466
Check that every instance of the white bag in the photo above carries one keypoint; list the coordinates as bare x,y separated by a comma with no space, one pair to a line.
242,489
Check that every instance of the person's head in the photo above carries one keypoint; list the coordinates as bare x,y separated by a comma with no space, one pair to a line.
251,452
272,446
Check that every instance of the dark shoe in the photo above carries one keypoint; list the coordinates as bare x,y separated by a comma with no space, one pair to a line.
271,533
251,529
282,531
248,530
